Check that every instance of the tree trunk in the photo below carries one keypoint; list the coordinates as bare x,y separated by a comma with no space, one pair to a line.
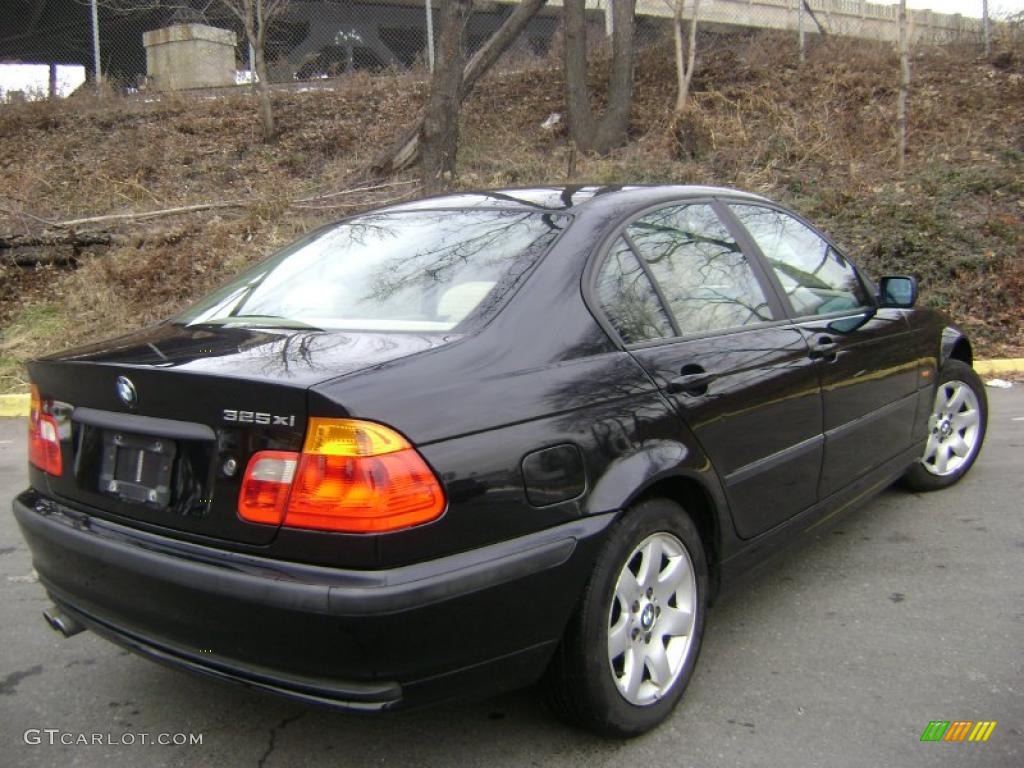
405,152
439,132
612,128
901,102
10,245
488,54
255,33
810,12
684,71
577,93
985,30
677,37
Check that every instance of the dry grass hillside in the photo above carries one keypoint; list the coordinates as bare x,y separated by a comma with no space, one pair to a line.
818,137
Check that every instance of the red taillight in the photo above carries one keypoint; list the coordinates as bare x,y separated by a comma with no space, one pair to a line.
364,494
352,476
268,478
43,436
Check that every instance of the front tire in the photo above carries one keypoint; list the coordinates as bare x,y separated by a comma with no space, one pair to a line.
956,429
632,644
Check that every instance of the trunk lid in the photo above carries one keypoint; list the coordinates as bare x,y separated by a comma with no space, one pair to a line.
157,427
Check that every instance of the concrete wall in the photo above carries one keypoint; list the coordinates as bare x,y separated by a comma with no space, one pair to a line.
189,56
848,18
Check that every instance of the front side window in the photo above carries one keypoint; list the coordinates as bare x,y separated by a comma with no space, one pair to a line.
817,279
704,276
401,271
628,298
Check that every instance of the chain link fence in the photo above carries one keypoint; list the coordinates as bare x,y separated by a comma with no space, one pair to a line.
59,40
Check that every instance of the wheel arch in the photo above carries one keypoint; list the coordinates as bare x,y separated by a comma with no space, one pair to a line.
699,505
956,346
674,471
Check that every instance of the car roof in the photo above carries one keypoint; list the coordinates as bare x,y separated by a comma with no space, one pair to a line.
568,198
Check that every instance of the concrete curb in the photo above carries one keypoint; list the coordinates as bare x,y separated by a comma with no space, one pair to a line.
18,405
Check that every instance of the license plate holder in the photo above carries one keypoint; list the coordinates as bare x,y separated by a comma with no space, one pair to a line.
137,468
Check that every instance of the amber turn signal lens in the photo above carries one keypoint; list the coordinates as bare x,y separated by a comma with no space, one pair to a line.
351,477
43,436
348,437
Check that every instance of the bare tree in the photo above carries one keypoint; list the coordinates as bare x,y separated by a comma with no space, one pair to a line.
439,131
985,30
684,69
255,16
609,130
822,29
901,100
405,152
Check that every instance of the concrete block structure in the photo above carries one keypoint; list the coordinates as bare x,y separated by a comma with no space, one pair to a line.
323,38
189,56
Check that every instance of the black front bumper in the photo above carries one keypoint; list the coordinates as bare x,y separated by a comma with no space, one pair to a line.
476,622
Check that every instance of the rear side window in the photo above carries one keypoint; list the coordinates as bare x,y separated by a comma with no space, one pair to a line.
815,277
701,271
404,271
628,298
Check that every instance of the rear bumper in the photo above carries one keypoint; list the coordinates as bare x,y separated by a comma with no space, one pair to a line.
472,623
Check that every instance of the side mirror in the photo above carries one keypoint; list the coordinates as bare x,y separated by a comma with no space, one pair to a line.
898,291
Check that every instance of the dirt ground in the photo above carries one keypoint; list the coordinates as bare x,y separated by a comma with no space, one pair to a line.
819,137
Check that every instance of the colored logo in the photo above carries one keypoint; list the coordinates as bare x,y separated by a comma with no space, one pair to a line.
126,391
958,730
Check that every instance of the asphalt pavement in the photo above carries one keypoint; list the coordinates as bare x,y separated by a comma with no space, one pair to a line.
840,654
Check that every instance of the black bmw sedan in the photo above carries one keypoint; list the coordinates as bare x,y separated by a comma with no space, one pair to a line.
458,445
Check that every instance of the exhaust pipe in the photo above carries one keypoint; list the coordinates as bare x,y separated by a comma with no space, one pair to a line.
62,623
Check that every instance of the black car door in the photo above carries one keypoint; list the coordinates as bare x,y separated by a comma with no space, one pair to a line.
866,363
705,322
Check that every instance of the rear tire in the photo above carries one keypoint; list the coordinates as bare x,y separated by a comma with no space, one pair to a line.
632,644
956,429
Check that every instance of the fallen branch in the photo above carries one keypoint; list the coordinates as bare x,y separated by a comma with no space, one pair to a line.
152,214
336,206
75,239
370,188
40,256
104,238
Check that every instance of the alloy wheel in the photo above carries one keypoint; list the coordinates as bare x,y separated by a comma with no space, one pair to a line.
651,619
953,429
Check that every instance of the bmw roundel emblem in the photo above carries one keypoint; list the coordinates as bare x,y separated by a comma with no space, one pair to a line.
126,391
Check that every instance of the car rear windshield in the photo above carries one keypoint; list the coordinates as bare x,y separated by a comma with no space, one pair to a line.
400,271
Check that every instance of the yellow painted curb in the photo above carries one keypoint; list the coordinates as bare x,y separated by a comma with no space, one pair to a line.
13,405
1005,365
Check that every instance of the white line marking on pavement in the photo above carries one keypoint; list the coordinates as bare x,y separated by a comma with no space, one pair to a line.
30,578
